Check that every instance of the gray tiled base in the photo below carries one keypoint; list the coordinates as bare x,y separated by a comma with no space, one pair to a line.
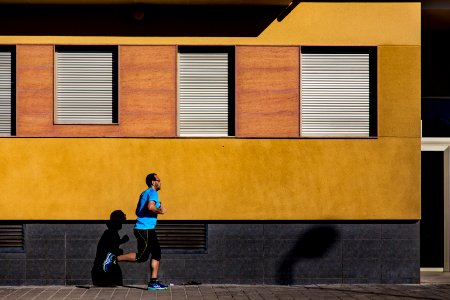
238,253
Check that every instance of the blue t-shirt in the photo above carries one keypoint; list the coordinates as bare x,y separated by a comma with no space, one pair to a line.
145,218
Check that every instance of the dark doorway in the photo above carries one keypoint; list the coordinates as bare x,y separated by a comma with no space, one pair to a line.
432,222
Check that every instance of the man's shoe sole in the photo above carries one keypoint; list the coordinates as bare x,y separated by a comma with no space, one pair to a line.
156,289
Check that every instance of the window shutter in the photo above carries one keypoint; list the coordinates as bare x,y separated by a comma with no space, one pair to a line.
203,94
5,92
85,86
11,236
181,237
335,94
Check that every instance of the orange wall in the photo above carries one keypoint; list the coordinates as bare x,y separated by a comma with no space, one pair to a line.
147,91
34,90
267,91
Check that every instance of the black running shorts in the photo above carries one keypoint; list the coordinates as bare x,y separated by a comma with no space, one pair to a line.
147,243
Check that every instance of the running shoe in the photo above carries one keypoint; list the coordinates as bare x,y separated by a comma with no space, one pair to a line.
153,286
110,259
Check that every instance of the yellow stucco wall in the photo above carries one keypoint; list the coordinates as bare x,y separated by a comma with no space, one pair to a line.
236,178
212,179
399,91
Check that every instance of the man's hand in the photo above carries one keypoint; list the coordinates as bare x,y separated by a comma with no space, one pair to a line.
152,207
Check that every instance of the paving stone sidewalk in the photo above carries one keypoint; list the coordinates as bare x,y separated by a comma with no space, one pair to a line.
232,292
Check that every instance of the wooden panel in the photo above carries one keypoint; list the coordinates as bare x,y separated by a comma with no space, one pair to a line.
35,97
147,90
145,125
267,91
85,130
146,101
34,124
34,90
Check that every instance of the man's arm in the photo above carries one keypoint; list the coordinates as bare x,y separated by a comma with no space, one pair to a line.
152,207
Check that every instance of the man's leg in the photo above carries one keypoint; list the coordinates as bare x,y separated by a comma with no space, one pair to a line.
155,250
111,259
154,267
131,256
142,255
154,284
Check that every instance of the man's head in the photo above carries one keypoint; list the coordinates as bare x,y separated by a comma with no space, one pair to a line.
153,181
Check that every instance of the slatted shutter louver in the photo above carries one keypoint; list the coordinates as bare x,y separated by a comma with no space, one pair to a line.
335,98
11,236
5,92
85,86
203,94
184,237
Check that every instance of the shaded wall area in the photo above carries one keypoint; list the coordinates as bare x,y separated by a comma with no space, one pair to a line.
137,20
435,76
238,252
435,70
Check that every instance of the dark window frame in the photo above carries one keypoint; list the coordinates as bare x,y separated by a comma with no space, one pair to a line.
12,49
373,76
231,50
115,86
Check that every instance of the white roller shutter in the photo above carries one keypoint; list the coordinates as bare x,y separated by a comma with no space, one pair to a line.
335,94
5,92
85,86
203,94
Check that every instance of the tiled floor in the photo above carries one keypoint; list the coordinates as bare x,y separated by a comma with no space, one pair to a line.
238,292
434,286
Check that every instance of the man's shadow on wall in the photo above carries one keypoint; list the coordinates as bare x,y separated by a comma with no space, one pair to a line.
109,242
313,244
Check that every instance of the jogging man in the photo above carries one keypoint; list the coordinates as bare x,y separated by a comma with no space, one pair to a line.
147,211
